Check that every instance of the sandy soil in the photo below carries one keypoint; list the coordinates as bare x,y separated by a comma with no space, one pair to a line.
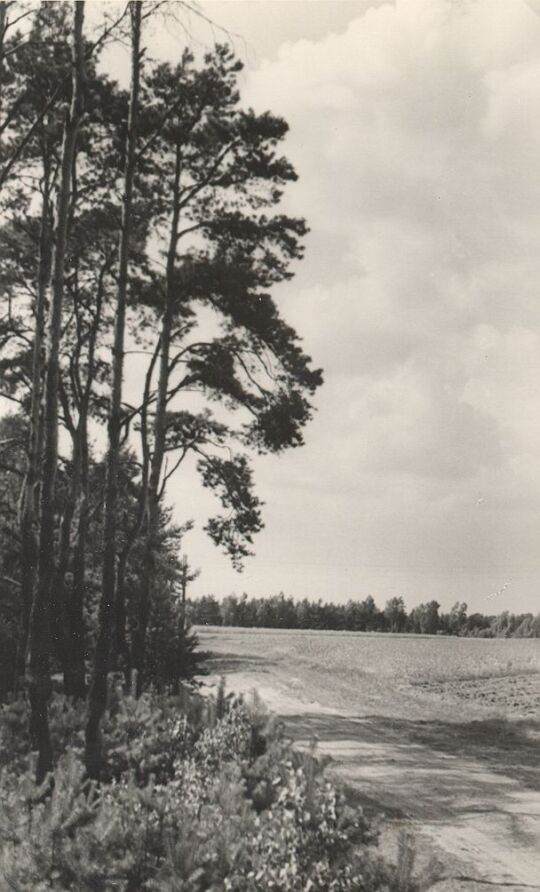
432,758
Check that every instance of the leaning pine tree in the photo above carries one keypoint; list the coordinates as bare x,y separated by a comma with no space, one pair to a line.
217,181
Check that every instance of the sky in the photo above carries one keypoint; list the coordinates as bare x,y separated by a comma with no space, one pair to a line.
415,131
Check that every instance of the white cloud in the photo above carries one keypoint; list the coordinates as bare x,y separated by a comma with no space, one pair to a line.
417,134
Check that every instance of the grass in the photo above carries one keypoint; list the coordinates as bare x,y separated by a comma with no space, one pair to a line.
414,657
389,673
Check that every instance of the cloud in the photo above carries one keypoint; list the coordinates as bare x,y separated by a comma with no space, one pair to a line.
416,134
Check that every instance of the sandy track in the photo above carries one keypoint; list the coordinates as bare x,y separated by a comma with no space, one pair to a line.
473,804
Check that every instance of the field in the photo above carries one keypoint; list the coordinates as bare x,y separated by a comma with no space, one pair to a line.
389,671
440,735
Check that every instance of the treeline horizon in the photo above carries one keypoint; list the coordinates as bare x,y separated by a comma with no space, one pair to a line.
285,612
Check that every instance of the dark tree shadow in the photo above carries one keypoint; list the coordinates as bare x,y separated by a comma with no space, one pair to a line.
429,769
222,663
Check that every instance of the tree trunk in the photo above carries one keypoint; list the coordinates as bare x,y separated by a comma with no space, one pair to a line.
63,620
129,649
73,543
3,28
59,632
30,495
38,661
98,690
156,463
75,675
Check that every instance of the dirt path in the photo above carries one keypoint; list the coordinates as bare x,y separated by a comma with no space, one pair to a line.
470,795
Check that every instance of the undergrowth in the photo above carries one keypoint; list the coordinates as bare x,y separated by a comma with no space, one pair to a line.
199,795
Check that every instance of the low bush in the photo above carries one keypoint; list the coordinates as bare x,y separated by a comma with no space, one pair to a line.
201,795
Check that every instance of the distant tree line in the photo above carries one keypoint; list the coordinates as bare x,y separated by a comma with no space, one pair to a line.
281,612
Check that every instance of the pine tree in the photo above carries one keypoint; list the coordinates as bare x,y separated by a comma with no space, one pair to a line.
38,661
217,182
98,690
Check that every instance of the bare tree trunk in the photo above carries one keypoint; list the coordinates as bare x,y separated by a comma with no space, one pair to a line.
29,494
121,643
75,673
39,651
156,464
60,621
75,522
75,614
98,690
59,633
74,668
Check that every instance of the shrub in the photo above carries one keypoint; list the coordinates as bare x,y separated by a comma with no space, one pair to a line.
198,798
